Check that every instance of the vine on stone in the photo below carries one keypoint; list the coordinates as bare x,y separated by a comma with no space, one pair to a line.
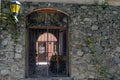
102,69
7,21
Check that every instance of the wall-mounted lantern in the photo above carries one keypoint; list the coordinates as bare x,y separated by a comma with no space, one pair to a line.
15,7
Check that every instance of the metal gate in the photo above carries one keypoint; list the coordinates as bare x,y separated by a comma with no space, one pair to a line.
47,44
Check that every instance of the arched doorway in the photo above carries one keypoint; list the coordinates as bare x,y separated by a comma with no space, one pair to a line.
47,43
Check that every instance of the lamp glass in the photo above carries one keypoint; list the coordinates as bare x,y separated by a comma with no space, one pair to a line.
15,8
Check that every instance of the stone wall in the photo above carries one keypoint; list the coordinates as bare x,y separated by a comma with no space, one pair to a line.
12,55
111,2
101,24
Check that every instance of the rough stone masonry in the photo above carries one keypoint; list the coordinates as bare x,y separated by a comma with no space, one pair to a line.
102,25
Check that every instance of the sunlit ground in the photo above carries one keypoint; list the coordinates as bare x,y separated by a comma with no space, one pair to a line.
42,63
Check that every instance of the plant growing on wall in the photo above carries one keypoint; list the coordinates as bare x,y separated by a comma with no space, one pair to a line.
101,68
105,4
7,21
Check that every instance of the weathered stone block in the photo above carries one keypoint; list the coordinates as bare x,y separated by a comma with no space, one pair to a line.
116,60
118,49
87,20
5,72
94,27
18,56
98,49
18,48
80,53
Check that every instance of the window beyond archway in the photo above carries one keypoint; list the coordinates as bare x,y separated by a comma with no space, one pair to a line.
47,43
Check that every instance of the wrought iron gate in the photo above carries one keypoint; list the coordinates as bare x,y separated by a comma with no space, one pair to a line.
47,47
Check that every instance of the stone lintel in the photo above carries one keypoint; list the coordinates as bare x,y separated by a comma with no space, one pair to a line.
111,2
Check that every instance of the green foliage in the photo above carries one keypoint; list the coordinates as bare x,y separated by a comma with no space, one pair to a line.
105,4
102,69
5,3
7,21
7,18
9,24
91,46
96,2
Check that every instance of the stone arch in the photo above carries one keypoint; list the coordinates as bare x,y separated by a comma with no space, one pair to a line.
36,27
48,10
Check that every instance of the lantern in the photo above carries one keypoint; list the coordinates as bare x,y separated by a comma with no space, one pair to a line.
15,7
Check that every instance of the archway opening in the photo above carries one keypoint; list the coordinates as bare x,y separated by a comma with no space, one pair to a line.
46,48
47,43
